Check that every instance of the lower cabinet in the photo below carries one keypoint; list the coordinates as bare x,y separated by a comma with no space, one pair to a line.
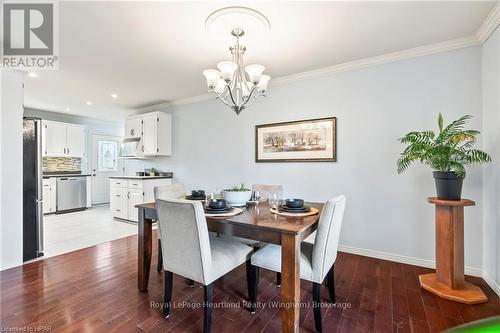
125,194
49,195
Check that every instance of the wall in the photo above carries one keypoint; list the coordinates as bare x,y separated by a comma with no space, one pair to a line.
94,126
11,168
491,172
387,214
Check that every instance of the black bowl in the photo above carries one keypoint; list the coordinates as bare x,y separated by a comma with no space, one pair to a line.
294,203
198,193
217,203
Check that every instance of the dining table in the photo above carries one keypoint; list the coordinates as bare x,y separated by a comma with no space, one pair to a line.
255,222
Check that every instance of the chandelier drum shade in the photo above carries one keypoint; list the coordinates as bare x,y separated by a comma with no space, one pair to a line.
235,85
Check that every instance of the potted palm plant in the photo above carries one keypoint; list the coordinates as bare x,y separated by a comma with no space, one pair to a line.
447,152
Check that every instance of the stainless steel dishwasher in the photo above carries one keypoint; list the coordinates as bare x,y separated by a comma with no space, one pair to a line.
71,193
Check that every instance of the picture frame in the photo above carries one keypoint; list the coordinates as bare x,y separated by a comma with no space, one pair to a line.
309,140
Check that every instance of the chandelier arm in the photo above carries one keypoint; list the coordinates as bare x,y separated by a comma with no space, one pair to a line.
232,98
220,97
249,95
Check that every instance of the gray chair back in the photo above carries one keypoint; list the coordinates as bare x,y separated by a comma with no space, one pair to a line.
267,190
184,239
174,191
327,237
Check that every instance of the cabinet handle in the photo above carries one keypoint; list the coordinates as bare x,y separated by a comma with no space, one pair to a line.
128,195
118,210
68,150
118,195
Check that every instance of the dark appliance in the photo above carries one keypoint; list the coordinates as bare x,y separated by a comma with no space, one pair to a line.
32,189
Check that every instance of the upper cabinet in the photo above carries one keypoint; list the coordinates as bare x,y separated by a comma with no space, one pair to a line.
63,140
133,127
155,133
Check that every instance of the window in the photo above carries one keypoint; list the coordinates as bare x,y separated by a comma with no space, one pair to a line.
108,156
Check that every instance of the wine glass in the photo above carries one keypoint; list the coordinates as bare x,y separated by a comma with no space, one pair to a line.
209,196
256,196
274,200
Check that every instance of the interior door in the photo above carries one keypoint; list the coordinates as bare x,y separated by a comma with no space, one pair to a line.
55,139
105,163
149,137
75,140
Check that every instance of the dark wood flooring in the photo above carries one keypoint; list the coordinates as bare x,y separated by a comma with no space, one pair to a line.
95,290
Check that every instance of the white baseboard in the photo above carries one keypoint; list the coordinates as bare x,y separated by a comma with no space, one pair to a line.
495,286
404,259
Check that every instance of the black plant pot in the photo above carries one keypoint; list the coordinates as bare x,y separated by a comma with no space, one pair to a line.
448,185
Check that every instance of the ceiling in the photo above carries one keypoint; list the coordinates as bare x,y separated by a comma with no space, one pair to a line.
154,52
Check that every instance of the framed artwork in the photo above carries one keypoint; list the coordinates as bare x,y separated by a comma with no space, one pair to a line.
313,140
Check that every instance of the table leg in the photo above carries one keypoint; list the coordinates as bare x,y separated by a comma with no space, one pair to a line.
290,282
144,250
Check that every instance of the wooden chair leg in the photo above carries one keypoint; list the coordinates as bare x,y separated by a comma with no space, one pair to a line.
331,284
252,283
159,266
317,306
167,299
207,313
278,279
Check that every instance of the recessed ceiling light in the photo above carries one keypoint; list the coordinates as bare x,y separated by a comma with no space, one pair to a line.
114,95
68,109
32,74
89,103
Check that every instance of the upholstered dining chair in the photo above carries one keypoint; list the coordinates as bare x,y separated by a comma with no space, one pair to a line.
267,190
189,251
173,191
316,259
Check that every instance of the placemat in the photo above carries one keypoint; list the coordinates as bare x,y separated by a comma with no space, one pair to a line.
313,211
233,212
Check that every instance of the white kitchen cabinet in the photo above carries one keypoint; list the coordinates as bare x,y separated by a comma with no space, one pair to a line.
63,140
150,134
75,141
49,195
54,139
119,202
127,192
156,132
135,197
133,127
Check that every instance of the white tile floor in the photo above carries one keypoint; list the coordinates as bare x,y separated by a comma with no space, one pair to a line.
72,231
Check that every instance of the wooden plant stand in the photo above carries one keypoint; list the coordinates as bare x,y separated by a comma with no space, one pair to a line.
448,281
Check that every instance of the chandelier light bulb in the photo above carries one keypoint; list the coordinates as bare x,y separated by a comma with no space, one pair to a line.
254,72
264,80
212,77
227,69
220,86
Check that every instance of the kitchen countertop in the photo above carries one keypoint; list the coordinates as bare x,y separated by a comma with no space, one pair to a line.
50,175
140,177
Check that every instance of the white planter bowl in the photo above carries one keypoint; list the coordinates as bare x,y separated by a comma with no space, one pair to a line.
234,198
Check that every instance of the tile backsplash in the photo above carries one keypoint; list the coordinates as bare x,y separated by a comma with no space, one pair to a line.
51,164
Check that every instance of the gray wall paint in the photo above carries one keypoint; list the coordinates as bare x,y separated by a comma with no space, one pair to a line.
385,212
491,173
93,126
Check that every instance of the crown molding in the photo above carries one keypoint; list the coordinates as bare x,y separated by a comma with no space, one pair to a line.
489,24
382,59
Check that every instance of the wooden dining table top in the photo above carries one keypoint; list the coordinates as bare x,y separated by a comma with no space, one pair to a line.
259,217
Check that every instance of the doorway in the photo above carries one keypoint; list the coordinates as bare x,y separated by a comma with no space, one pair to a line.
105,163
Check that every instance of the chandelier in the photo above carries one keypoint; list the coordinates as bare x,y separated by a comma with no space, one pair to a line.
230,83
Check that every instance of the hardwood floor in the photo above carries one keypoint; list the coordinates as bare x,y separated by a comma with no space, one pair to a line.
95,290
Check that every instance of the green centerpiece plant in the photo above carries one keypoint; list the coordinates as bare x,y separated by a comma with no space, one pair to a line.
447,152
